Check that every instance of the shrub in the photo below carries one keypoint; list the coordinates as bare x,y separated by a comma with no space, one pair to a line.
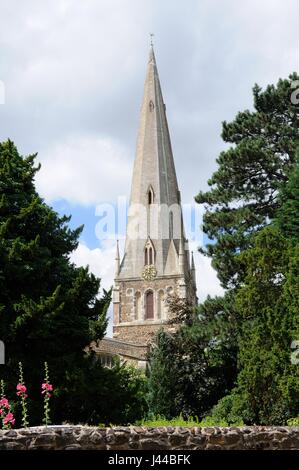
293,421
231,410
190,422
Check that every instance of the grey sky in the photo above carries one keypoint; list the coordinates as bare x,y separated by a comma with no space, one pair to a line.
74,70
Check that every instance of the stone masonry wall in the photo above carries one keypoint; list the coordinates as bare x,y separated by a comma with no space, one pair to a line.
138,333
140,438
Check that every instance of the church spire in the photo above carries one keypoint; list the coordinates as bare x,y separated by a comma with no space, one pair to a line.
154,165
156,255
154,190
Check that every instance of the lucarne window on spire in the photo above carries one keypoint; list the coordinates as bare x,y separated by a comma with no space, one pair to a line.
150,196
151,106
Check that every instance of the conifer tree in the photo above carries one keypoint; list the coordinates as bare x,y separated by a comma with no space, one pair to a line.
244,189
49,308
288,215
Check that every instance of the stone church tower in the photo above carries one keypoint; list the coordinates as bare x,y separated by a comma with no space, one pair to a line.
156,261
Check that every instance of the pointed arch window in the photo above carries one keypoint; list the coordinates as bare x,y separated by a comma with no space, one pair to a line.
150,196
149,253
150,256
145,256
149,305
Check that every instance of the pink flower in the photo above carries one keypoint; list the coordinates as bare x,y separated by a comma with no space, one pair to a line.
47,386
4,403
9,419
21,388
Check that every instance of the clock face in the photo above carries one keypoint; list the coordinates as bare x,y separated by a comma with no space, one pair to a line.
149,272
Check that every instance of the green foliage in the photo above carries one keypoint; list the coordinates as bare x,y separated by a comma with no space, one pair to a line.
189,423
23,397
50,309
231,409
190,369
267,389
293,421
287,216
158,421
47,393
243,195
268,384
256,184
102,395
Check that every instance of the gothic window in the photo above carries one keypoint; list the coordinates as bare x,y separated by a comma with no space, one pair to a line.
146,256
149,305
149,253
137,306
150,196
107,361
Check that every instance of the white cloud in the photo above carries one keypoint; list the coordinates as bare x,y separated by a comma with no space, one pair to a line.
84,170
101,262
206,278
77,68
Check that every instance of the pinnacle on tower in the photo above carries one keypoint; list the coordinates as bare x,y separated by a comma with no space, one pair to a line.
117,260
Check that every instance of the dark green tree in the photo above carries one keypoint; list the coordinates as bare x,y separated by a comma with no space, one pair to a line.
244,190
268,381
49,308
288,215
267,389
245,196
191,368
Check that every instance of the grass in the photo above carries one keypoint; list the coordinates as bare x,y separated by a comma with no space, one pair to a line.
180,421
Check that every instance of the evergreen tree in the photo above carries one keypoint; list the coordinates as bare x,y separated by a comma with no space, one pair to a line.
50,309
268,381
287,217
191,368
244,189
267,389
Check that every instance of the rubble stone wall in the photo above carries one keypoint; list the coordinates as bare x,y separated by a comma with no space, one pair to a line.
141,438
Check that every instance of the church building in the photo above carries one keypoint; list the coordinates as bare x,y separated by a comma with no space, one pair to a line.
156,262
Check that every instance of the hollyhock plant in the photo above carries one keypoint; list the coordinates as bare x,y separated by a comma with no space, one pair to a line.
4,403
9,420
47,388
6,416
22,393
22,390
4,412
